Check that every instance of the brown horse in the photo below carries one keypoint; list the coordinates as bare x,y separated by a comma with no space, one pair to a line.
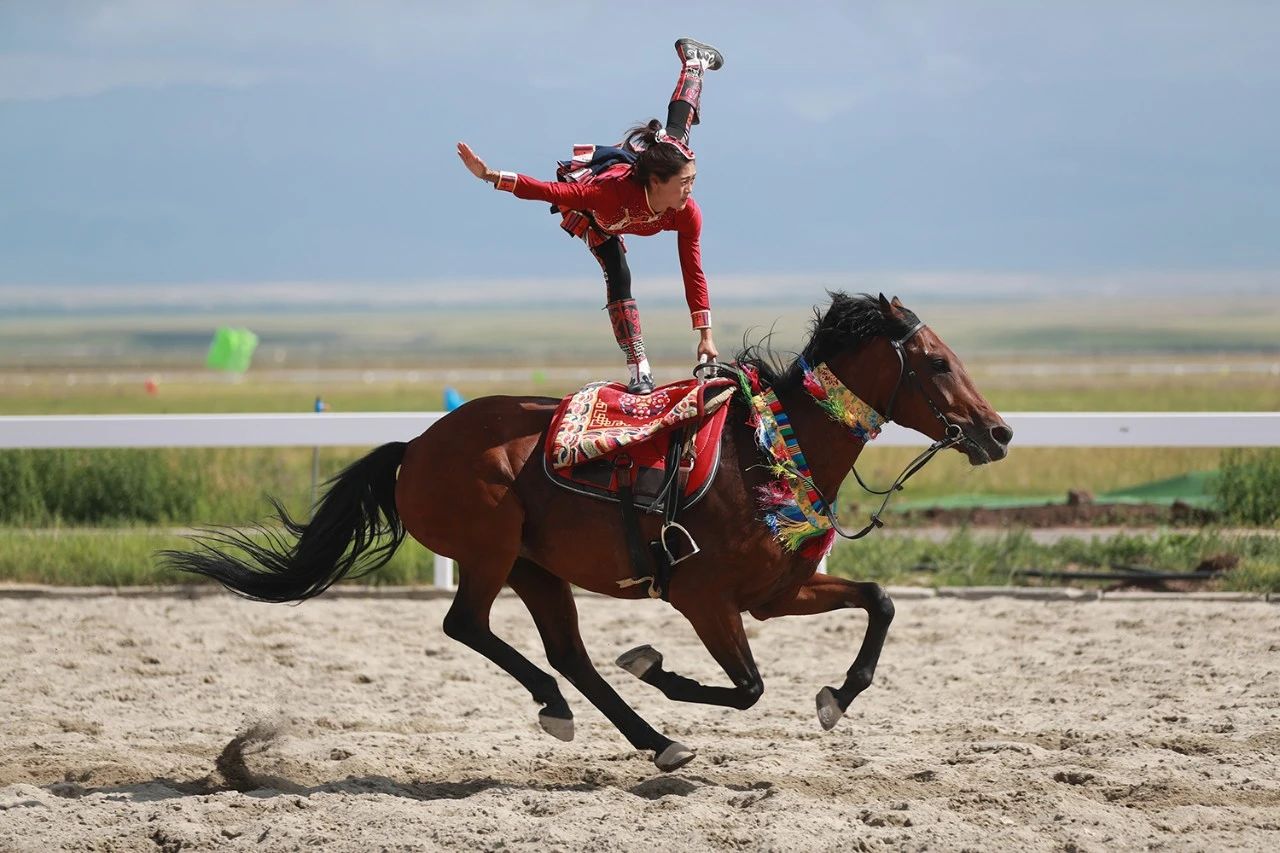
472,488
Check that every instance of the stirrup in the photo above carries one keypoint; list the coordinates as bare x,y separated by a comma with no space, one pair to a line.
687,48
693,546
641,385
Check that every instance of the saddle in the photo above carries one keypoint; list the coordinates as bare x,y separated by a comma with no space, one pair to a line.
601,425
657,451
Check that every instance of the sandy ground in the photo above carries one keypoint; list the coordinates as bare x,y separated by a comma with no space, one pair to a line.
993,724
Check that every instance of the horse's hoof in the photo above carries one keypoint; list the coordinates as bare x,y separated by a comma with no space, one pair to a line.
640,660
557,727
829,710
674,757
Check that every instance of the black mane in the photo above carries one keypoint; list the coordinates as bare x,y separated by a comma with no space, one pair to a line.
849,322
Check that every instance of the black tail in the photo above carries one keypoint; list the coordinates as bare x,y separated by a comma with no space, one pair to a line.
341,539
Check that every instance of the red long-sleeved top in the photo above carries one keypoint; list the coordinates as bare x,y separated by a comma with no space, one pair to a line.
619,206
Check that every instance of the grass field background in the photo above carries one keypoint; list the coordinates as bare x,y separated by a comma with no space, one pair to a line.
1044,355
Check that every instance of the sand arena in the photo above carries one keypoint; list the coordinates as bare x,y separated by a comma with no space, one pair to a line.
355,724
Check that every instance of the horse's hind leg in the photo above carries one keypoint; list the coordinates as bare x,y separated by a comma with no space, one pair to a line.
468,622
820,594
719,626
550,602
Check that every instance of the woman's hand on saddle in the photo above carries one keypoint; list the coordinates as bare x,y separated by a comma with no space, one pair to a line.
475,165
706,346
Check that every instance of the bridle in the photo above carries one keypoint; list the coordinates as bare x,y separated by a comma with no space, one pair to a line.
952,436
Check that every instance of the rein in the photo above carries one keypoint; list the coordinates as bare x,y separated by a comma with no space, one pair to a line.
950,440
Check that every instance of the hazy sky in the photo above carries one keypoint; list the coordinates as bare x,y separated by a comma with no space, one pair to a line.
168,141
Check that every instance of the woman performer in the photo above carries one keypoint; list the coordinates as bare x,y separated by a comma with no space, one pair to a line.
642,186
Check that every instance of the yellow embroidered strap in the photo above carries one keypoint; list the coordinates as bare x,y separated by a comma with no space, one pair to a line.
841,404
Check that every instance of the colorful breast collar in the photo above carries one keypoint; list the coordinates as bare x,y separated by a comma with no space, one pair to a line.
793,509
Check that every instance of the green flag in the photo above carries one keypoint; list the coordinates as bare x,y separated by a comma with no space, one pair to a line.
231,349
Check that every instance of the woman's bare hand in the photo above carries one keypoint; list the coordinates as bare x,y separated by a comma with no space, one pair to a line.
707,347
474,164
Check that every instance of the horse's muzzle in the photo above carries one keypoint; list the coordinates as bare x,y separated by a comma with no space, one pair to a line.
988,442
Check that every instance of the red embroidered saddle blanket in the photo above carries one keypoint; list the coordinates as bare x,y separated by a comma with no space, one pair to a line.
593,426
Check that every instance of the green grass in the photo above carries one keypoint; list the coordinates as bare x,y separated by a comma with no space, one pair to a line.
230,485
251,395
49,393
125,488
1032,471
81,557
1249,487
1202,393
109,486
95,557
968,560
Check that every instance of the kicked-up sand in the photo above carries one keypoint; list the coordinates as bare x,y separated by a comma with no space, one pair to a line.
166,724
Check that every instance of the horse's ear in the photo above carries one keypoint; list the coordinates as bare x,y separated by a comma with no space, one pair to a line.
897,303
885,306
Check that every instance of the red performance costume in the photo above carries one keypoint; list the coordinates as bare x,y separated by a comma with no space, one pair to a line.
618,205
600,198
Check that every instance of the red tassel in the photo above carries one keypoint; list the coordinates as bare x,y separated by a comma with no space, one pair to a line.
814,387
775,493
819,546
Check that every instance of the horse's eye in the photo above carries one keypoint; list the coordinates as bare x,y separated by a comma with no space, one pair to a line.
940,364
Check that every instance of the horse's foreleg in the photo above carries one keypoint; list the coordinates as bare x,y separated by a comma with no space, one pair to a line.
468,622
550,602
820,594
719,626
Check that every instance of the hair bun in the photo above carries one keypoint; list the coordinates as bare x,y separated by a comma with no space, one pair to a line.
641,136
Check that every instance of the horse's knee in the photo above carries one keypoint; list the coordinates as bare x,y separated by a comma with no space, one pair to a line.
878,602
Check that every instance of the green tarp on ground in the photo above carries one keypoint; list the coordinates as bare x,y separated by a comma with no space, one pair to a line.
1195,489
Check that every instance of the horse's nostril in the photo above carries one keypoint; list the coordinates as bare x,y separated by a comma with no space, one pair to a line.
1002,434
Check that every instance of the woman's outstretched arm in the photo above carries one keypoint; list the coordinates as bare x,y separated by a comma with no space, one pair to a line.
568,196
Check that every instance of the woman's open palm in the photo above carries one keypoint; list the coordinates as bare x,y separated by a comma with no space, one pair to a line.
473,163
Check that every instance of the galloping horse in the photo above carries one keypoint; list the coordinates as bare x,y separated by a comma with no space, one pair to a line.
472,487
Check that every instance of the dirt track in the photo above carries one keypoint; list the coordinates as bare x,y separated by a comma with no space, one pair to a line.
993,724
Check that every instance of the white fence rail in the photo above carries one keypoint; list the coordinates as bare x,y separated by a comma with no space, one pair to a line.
328,429
325,429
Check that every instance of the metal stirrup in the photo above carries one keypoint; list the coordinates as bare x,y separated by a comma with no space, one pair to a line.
693,546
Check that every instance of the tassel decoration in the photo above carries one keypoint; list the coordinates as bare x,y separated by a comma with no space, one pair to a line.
790,507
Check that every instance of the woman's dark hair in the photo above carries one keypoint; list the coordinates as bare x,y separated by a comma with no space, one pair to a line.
652,160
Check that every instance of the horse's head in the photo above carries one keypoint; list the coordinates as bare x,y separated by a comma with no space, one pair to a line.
888,357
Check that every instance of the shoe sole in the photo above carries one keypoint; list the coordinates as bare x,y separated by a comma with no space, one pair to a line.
715,65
